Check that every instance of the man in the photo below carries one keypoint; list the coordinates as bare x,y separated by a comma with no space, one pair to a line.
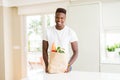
62,36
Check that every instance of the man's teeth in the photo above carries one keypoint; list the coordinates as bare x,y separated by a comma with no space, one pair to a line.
59,22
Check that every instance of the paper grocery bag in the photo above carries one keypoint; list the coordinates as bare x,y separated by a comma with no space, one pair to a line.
57,63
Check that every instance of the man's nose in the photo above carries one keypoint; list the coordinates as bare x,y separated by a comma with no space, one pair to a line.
59,19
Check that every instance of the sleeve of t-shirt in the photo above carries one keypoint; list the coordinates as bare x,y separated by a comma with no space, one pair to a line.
45,37
73,36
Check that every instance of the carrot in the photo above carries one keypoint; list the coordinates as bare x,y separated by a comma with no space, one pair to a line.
53,48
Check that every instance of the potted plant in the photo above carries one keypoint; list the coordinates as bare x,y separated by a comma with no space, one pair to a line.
113,50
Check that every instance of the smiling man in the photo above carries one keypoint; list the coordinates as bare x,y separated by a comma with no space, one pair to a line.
56,42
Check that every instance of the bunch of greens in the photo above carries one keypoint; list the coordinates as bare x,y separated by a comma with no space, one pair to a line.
60,50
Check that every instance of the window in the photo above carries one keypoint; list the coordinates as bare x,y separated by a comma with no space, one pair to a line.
34,31
112,47
50,20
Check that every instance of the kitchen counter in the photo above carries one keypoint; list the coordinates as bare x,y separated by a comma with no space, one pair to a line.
75,75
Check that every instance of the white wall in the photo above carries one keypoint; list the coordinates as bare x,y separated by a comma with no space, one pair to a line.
2,57
111,14
7,23
85,20
0,2
40,9
11,3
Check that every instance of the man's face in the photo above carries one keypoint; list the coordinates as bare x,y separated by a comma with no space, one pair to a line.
60,19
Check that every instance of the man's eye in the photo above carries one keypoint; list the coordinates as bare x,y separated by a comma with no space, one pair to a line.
57,18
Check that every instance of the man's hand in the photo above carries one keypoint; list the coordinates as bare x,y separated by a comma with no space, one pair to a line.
46,70
69,68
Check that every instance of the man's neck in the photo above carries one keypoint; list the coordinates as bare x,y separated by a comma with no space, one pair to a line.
59,27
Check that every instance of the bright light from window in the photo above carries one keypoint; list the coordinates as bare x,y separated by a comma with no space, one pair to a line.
112,38
112,47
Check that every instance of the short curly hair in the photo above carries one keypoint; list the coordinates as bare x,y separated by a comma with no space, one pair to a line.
61,10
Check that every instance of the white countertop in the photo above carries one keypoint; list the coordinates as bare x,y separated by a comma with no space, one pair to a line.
76,75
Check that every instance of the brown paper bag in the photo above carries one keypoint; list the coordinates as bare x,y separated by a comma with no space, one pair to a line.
57,62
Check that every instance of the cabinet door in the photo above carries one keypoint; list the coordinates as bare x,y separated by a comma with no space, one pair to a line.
85,20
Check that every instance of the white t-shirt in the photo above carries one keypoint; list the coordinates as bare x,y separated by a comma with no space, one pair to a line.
62,38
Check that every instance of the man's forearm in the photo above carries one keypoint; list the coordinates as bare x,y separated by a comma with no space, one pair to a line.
72,59
75,52
45,54
45,57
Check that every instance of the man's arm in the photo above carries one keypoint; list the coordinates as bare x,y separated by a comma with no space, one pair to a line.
74,46
45,54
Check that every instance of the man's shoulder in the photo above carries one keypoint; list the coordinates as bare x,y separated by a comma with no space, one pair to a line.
69,29
50,29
